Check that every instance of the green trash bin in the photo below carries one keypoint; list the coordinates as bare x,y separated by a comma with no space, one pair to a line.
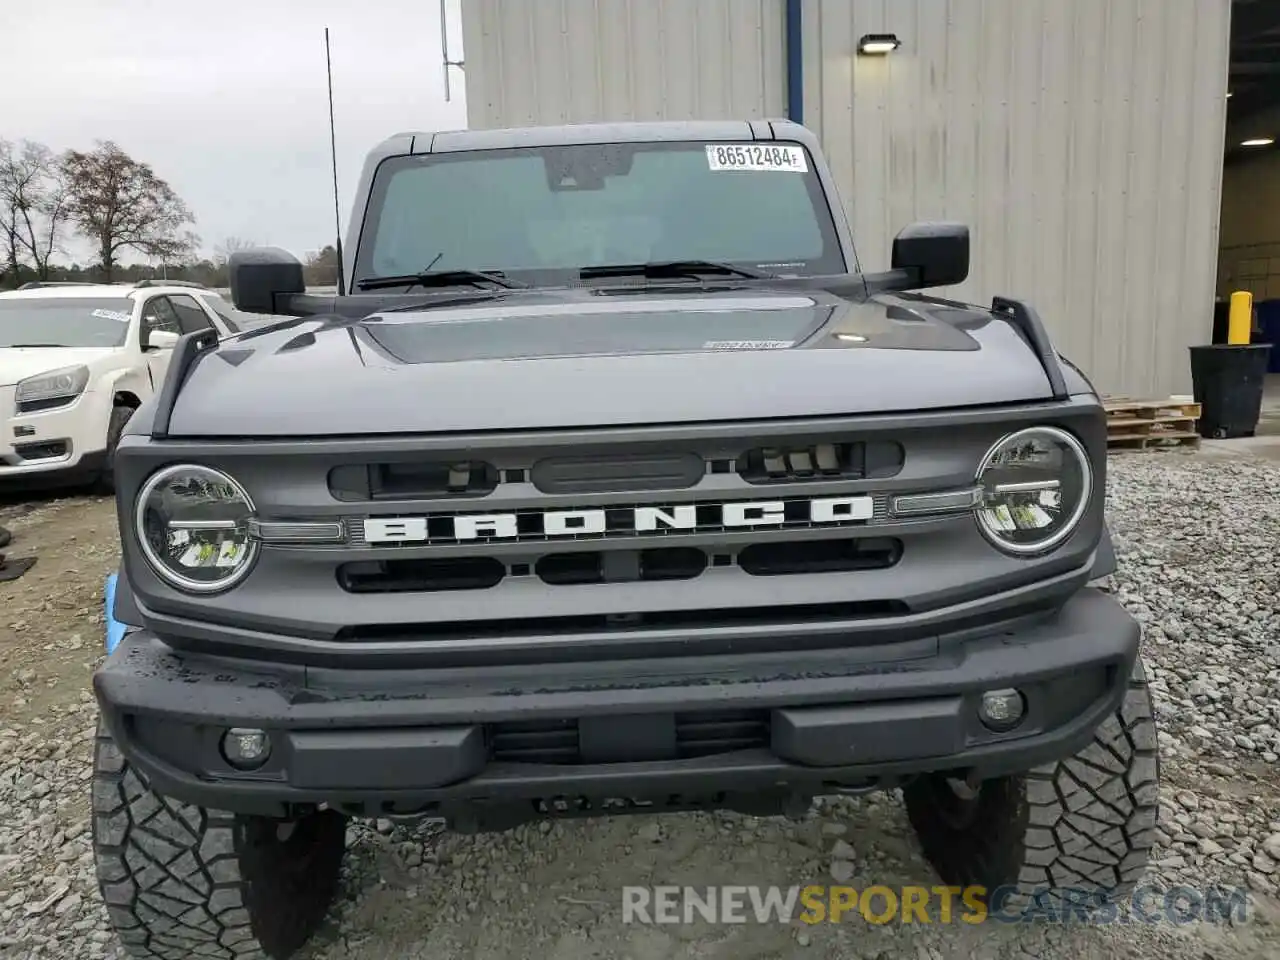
1227,380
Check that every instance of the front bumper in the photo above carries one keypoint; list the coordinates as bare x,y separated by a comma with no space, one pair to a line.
64,444
454,742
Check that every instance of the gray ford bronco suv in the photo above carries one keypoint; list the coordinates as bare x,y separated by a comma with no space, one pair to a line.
612,484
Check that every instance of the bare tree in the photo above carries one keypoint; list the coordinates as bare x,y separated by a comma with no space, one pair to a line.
33,197
222,252
8,222
119,203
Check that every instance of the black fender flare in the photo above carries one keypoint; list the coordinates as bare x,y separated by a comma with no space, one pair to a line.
125,608
1104,558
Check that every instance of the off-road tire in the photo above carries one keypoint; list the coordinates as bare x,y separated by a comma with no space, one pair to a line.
1084,825
181,881
120,415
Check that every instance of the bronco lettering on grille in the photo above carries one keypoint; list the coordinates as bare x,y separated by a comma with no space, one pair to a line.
689,517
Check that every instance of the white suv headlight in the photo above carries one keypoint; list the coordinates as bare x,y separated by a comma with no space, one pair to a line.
1036,484
65,384
193,526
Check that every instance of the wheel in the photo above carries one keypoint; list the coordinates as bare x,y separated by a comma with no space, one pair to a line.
181,881
1084,824
120,415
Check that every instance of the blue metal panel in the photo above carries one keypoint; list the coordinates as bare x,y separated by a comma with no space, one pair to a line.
115,629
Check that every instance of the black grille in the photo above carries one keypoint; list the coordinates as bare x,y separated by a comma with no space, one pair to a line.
412,480
820,461
708,734
658,471
46,403
700,734
534,741
41,451
819,556
408,576
621,566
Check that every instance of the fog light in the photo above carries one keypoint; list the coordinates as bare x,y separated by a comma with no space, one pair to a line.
246,749
1002,709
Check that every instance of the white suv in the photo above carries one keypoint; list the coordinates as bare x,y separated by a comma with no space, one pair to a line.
76,360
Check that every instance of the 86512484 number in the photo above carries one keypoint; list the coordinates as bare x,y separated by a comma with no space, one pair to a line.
756,156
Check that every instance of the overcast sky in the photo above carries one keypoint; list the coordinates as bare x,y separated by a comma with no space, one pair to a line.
227,100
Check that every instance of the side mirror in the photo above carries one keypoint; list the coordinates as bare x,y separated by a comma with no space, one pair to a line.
936,254
159,340
260,275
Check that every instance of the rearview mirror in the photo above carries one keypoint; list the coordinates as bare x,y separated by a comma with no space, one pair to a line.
159,340
260,275
935,253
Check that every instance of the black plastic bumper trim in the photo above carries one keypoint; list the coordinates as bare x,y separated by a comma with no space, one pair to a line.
384,759
347,733
871,733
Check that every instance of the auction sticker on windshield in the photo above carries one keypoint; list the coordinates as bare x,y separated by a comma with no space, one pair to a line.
787,158
116,315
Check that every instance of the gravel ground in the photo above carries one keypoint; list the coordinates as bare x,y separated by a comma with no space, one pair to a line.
1198,543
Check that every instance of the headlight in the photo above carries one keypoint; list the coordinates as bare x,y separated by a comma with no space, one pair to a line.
67,383
1036,485
193,526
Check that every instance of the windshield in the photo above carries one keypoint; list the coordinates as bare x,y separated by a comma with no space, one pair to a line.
560,209
64,321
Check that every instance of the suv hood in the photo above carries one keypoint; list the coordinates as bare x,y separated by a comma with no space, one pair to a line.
597,357
18,363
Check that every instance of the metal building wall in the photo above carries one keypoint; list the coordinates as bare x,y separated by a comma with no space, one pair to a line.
571,61
1081,141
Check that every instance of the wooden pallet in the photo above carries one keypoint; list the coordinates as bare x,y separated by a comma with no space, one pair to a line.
1151,424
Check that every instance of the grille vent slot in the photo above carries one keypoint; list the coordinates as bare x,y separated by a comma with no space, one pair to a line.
821,461
702,734
819,556
421,576
621,566
412,480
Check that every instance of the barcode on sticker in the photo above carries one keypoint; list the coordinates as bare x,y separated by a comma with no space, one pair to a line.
757,156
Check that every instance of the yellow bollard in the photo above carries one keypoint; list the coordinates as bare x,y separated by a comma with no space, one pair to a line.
1240,318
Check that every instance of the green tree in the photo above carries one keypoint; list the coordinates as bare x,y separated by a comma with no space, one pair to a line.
321,267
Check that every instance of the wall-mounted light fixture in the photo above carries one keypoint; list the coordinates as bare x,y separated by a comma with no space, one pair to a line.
1258,142
878,44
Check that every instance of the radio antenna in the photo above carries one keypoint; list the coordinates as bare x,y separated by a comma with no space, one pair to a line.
333,152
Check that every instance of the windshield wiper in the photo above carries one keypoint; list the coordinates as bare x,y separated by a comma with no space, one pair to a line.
672,268
443,278
22,346
461,300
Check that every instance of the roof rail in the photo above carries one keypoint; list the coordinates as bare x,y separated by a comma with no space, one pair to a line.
152,282
39,284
